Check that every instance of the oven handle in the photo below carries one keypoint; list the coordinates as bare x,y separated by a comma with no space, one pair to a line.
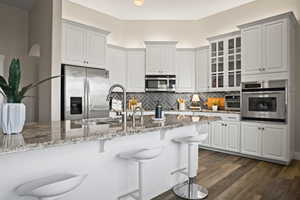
160,79
265,92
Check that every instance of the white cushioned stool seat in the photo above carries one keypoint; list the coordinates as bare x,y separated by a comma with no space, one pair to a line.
142,154
52,187
191,139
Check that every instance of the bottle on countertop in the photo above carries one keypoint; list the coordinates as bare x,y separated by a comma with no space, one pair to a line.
158,111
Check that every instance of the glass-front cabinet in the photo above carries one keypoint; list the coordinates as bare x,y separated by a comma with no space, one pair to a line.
225,62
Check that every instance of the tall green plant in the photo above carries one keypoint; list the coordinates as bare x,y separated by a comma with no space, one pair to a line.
11,89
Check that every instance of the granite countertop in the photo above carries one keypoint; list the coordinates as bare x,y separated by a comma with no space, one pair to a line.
199,111
44,135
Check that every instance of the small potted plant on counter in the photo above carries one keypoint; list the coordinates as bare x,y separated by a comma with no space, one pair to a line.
12,111
215,105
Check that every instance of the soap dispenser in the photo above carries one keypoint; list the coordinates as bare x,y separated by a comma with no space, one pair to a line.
158,110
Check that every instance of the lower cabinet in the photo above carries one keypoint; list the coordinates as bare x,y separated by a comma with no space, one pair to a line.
233,136
225,135
274,142
264,140
251,139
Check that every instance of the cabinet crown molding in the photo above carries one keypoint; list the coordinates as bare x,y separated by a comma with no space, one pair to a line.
222,36
161,43
288,15
101,31
202,48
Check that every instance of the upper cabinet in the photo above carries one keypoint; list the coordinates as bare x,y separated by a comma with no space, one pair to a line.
83,45
266,48
202,69
136,70
225,62
185,70
160,58
117,65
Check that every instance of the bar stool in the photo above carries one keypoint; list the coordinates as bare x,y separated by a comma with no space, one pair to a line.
50,188
189,189
140,156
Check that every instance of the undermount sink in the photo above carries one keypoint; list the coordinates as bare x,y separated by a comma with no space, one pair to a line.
98,121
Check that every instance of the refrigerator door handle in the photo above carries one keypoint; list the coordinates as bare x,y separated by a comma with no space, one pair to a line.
88,106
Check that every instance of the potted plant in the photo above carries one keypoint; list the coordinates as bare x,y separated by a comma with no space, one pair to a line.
215,105
12,111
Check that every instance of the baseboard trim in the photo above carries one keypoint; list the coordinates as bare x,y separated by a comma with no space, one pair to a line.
297,155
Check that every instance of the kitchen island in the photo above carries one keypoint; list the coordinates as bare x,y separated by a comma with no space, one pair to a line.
90,147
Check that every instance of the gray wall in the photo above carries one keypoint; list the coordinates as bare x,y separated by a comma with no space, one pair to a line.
298,90
14,43
44,29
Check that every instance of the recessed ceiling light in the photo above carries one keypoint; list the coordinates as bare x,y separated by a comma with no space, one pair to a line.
138,2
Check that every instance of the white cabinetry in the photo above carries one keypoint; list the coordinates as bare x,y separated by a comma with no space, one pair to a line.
218,139
83,45
265,140
117,64
160,58
225,135
251,139
135,70
225,62
202,69
274,142
233,136
185,70
266,47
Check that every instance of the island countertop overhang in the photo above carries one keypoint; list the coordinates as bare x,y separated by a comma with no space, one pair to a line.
51,134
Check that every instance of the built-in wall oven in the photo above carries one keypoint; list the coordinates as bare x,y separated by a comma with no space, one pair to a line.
160,83
267,104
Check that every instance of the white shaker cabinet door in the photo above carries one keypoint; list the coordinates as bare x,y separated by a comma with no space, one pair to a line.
274,145
73,45
136,70
153,60
116,64
201,69
96,48
275,46
233,136
185,70
251,139
252,50
218,135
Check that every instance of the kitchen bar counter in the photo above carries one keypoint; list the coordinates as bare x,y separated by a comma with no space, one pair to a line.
44,135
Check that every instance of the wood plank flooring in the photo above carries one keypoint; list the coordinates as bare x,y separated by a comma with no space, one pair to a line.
230,177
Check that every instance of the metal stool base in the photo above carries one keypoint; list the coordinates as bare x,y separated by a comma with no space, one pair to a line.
190,191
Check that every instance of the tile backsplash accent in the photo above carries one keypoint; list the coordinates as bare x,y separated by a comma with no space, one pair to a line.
168,100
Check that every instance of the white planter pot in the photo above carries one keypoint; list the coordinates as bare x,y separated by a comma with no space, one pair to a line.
182,106
12,118
215,108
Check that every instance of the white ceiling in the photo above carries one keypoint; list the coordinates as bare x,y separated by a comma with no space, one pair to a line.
161,9
23,4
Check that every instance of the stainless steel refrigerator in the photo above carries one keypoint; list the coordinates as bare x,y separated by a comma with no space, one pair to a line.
84,92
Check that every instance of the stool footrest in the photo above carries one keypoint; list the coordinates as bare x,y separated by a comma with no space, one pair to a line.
132,194
180,171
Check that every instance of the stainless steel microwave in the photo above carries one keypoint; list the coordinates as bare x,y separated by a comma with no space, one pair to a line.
160,83
268,104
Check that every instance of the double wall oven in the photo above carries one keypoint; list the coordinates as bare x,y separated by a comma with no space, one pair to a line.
267,104
160,83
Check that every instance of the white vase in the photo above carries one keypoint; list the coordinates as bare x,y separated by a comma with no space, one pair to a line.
182,106
215,108
12,118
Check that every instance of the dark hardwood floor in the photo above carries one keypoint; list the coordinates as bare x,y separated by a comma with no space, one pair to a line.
230,177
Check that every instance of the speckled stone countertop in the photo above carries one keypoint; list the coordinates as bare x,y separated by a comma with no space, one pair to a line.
44,135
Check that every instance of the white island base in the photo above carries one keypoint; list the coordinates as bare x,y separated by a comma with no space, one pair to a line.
108,176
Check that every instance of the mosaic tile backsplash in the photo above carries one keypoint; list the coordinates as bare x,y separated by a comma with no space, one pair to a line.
168,100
